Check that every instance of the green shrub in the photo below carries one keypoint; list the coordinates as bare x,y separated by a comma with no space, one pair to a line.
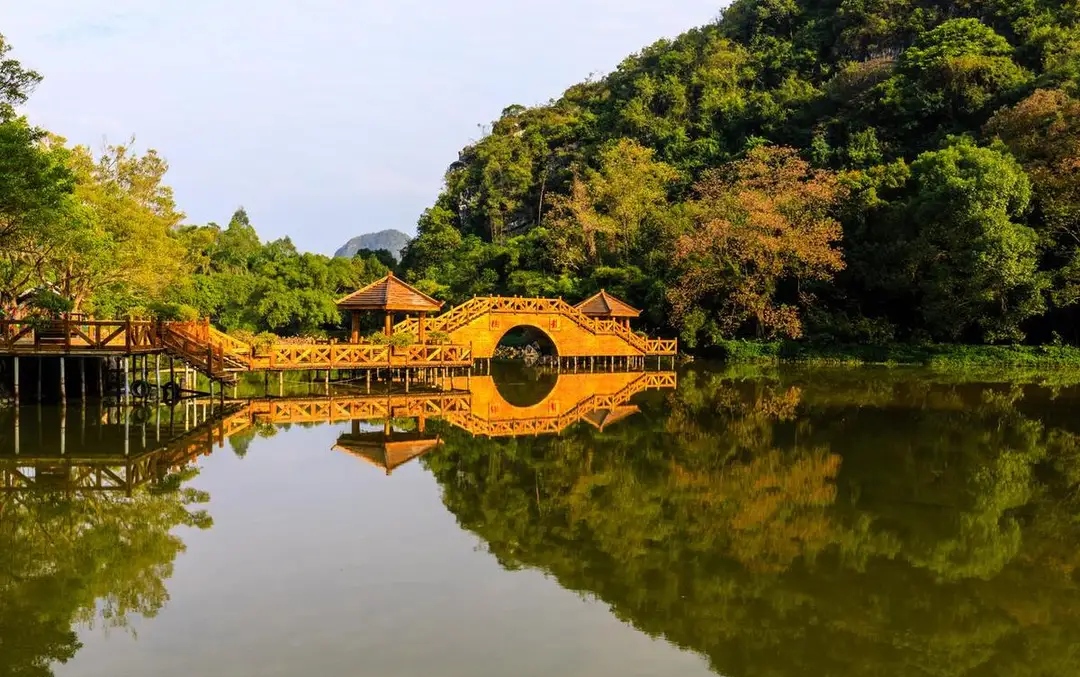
402,339
438,337
377,338
263,343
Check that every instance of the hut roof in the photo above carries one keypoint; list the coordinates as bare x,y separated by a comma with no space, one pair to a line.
604,304
389,293
601,418
386,454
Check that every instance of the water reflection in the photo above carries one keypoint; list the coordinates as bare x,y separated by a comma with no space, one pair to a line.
87,519
847,522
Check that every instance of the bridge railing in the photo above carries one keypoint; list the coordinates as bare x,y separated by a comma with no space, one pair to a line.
461,315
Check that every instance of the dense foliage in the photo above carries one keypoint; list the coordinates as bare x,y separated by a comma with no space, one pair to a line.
833,169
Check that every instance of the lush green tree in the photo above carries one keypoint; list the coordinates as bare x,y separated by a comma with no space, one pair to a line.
119,249
975,265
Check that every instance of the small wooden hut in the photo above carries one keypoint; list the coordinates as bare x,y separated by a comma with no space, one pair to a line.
604,306
386,449
389,295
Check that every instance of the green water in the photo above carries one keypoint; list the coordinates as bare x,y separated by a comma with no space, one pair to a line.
803,522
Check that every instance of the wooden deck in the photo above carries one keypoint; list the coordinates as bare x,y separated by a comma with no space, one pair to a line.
475,329
213,352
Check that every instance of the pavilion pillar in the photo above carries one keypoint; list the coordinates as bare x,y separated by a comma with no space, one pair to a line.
354,337
423,330
389,328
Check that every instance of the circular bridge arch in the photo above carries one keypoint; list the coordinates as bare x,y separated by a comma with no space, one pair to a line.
531,333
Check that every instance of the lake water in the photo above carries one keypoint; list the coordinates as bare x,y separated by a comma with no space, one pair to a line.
826,522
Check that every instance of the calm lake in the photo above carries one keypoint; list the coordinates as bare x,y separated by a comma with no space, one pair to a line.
747,522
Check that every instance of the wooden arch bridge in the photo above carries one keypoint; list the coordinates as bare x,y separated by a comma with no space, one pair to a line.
466,333
474,405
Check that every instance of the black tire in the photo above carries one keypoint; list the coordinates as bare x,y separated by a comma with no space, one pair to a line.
170,392
140,389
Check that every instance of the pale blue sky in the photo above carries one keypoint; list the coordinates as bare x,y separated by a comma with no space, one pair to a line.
324,118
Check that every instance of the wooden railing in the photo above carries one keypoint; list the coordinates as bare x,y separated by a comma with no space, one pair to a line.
360,356
461,315
342,409
66,334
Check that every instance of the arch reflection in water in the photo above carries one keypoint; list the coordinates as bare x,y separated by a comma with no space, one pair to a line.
120,449
471,403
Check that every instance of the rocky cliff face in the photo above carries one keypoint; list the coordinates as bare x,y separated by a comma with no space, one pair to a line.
393,241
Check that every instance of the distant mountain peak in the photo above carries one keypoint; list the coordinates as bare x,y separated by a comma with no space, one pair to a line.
393,241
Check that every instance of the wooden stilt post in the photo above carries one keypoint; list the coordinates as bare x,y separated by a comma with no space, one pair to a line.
157,371
82,378
40,377
15,371
368,373
63,383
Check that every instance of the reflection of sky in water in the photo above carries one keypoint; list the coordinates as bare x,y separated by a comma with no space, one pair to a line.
317,564
833,522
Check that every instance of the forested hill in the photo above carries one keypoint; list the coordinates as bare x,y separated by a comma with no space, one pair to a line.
848,170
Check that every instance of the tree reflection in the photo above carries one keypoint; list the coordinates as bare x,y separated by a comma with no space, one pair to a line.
68,559
784,527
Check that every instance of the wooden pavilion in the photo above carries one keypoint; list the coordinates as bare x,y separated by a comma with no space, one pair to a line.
389,295
604,306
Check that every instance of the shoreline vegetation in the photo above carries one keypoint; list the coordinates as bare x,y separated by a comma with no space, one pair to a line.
938,356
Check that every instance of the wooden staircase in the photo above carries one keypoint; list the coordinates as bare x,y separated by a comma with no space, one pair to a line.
212,353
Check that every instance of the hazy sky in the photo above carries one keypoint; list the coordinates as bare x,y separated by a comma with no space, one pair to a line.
324,118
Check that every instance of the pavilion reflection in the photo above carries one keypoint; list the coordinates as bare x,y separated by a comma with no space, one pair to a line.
121,449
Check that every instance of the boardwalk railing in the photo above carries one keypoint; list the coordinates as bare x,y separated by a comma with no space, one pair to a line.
122,336
360,356
461,315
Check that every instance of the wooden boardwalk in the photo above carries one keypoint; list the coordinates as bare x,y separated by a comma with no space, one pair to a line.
474,328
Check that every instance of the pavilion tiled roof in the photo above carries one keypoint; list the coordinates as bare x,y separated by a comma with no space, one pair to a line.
384,454
604,304
390,294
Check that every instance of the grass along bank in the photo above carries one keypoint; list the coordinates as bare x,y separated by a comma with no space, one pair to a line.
927,355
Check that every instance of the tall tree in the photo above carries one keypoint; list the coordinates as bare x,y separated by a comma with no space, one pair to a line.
761,223
976,265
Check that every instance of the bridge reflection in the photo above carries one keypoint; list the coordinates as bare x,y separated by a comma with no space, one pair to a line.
119,450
